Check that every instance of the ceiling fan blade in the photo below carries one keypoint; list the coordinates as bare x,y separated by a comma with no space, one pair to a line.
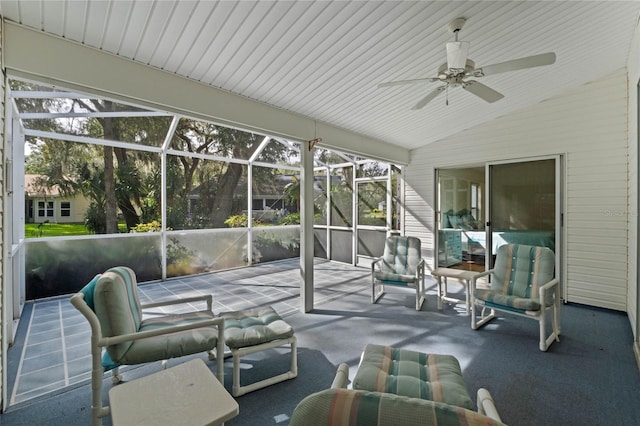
424,101
402,82
482,91
517,64
457,52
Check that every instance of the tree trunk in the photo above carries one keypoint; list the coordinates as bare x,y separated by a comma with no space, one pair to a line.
129,213
224,195
110,192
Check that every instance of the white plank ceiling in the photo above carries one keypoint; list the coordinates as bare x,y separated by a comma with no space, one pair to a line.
324,59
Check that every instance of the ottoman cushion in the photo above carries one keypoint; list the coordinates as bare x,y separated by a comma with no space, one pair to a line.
254,326
413,374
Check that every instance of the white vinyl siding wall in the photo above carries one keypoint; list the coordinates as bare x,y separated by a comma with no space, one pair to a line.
633,69
588,125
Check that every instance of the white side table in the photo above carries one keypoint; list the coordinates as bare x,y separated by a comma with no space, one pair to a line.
187,394
460,274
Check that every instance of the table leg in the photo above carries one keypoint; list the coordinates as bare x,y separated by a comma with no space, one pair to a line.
468,286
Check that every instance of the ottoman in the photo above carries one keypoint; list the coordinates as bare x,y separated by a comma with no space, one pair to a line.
254,330
413,374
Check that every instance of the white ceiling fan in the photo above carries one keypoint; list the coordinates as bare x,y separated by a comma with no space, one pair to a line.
459,68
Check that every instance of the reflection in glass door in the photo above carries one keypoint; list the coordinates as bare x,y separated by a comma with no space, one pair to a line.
523,206
460,221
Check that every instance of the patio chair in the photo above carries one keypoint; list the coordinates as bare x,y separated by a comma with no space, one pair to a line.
111,305
401,265
522,283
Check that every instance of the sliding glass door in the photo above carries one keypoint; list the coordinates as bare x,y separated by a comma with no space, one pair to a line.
524,204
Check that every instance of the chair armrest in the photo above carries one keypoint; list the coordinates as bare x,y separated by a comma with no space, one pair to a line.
206,298
373,264
342,377
108,341
486,405
77,300
543,290
473,280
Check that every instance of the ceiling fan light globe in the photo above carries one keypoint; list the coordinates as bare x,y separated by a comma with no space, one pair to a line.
457,53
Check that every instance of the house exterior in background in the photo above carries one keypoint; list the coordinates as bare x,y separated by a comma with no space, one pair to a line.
50,205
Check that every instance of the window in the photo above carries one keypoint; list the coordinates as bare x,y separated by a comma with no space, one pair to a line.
65,209
45,208
475,200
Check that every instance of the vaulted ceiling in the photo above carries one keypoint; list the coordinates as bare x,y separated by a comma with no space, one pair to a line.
325,59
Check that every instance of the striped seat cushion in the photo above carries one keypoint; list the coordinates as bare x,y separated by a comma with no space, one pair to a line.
117,307
400,260
398,279
346,407
518,274
413,374
172,345
254,326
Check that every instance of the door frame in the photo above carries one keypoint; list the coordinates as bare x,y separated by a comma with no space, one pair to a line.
560,229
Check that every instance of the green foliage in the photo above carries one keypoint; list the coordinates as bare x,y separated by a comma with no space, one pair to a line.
237,221
274,246
177,253
153,226
95,219
290,219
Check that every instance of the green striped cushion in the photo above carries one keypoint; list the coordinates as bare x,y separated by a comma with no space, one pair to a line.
117,307
346,407
254,326
391,278
413,374
401,256
519,272
174,344
88,291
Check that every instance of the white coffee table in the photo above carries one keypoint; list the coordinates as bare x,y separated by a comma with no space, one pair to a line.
460,274
187,394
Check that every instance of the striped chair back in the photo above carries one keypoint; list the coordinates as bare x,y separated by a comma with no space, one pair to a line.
402,255
118,308
520,270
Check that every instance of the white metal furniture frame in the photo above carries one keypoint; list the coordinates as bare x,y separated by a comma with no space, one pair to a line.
517,268
99,341
401,265
442,274
238,353
255,330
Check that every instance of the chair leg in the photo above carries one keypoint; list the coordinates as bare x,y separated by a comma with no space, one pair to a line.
545,341
97,373
475,323
238,390
116,377
419,297
375,297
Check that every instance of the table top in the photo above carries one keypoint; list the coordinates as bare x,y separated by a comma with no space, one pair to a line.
454,273
187,394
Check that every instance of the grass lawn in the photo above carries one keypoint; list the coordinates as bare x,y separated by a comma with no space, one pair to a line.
35,230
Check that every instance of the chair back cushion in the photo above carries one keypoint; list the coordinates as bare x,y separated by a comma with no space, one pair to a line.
117,306
346,407
401,255
88,290
520,270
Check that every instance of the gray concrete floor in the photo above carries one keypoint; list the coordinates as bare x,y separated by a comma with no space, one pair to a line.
52,346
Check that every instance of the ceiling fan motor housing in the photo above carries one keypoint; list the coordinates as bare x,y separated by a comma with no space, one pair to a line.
444,72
